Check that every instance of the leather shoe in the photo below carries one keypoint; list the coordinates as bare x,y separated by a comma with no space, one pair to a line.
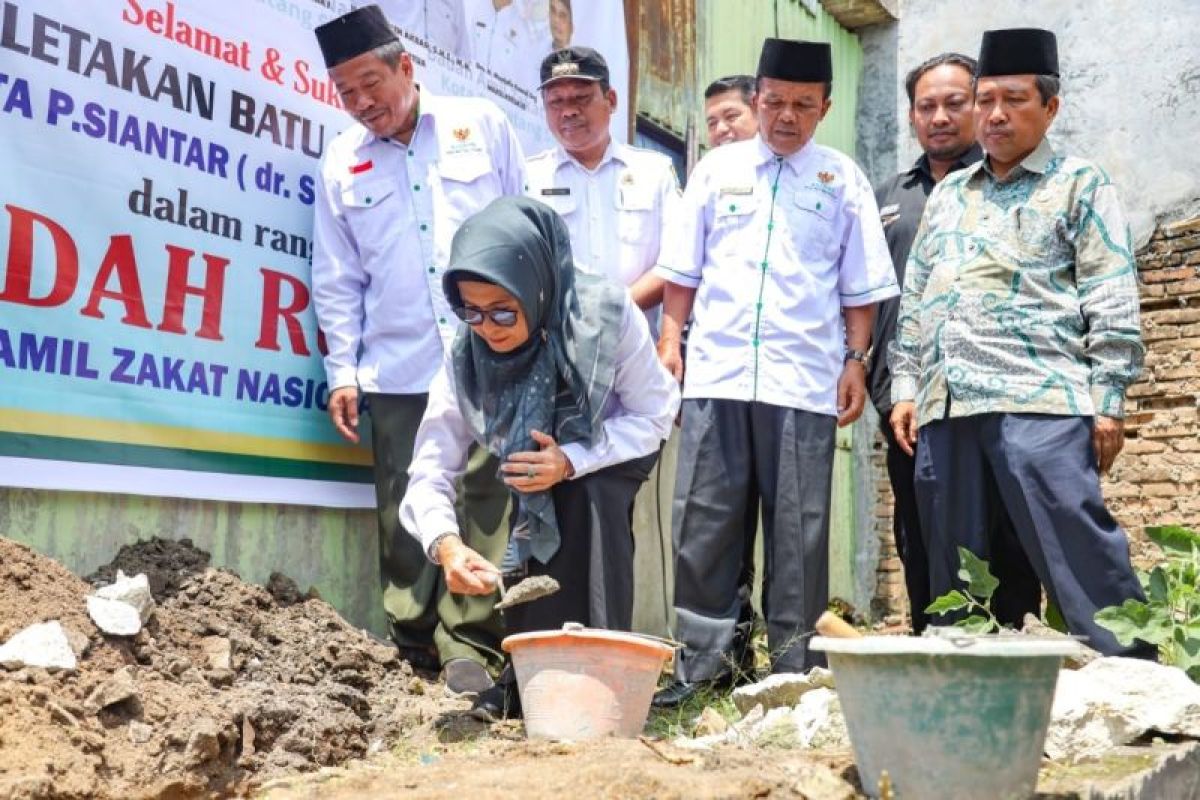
501,701
676,694
464,676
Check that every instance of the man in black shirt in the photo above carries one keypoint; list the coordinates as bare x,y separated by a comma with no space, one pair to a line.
942,113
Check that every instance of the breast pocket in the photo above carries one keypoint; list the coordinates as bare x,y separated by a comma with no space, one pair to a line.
730,214
814,224
371,208
635,214
468,184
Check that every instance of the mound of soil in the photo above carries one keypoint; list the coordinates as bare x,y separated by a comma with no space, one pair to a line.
167,564
225,686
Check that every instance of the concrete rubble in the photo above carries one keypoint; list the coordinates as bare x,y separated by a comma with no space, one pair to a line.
122,607
815,721
781,690
1113,701
132,590
710,723
114,617
44,645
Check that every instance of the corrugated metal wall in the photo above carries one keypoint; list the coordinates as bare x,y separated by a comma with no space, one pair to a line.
683,45
730,35
666,78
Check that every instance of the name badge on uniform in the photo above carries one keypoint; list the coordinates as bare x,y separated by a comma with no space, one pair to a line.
739,190
556,191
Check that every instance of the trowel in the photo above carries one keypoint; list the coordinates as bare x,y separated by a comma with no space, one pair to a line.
527,589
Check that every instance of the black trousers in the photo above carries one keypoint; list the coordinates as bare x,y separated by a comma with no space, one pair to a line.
733,456
594,562
1019,593
1040,472
906,529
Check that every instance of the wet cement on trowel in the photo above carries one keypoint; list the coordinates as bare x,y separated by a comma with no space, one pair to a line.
532,588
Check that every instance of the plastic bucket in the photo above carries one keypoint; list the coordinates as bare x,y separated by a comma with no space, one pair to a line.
583,683
960,718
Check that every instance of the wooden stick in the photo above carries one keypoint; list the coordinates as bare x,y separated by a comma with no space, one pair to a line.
833,626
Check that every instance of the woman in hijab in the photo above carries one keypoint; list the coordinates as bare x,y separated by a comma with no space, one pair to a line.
556,374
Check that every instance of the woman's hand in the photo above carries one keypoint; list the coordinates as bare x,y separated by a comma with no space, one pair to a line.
537,471
466,571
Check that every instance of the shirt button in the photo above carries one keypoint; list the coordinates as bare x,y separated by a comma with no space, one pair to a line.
416,187
410,152
433,269
424,226
441,320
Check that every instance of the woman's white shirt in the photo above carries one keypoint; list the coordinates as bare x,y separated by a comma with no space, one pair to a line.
637,419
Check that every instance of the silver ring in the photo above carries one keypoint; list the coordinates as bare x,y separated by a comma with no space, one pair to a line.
530,473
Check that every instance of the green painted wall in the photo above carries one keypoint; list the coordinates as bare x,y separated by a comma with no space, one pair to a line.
334,550
730,35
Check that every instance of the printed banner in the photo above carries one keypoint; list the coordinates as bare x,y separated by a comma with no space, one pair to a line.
157,334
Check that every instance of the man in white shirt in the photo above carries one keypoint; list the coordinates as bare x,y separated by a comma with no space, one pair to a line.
779,252
439,23
613,197
728,113
394,189
508,41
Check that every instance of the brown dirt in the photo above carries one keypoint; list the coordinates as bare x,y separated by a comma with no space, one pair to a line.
614,769
302,688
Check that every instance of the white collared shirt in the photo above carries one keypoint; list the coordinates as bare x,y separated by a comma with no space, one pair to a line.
615,212
507,42
775,248
441,23
385,215
637,419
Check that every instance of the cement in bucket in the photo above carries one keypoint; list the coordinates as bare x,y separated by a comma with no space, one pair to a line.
949,719
582,683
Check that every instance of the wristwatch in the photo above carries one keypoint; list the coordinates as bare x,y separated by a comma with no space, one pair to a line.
856,355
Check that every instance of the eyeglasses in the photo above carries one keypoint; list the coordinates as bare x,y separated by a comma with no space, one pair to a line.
504,317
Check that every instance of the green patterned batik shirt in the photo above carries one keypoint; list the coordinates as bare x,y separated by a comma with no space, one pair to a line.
1020,295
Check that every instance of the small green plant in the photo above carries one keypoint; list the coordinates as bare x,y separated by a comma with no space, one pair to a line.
1170,617
977,599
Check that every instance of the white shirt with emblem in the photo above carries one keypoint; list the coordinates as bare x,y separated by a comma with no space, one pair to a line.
507,41
384,217
616,213
637,418
775,248
441,23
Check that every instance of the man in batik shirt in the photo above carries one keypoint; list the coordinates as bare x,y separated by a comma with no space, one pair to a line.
1018,335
